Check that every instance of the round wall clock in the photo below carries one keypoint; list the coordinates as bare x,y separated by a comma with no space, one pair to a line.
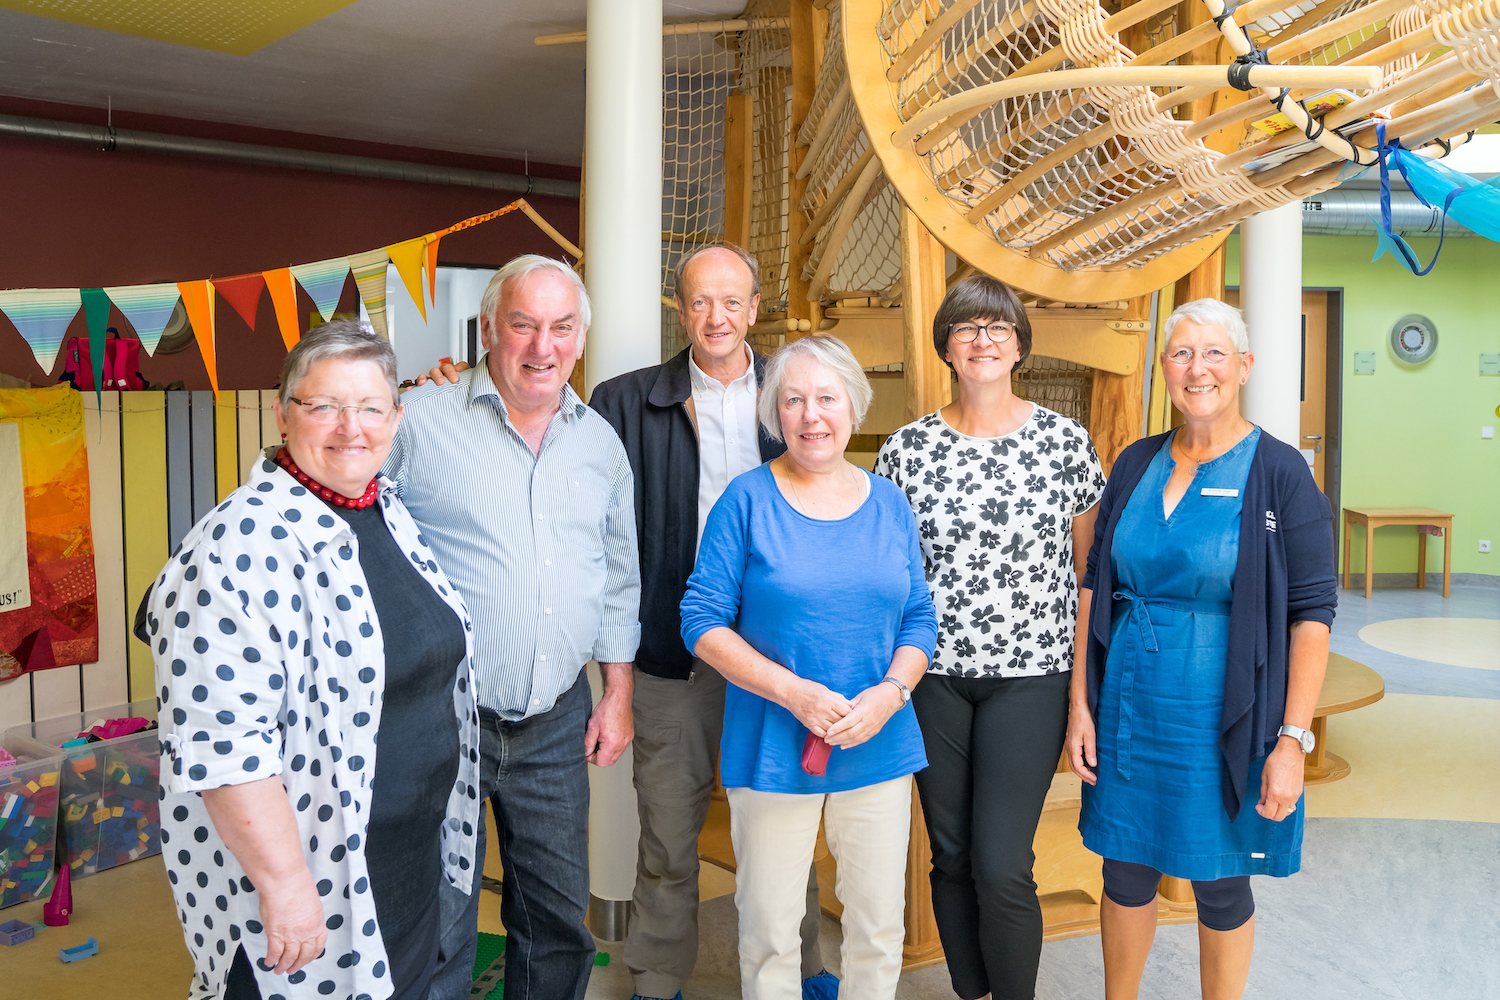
1414,339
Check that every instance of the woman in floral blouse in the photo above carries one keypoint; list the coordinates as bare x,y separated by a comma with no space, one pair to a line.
1004,494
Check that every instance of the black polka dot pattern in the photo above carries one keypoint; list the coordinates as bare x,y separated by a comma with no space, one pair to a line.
269,662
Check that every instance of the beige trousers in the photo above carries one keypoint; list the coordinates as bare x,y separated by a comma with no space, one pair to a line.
774,837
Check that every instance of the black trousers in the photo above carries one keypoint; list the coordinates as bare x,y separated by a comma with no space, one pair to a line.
992,748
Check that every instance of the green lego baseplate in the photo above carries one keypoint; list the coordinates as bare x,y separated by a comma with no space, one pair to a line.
489,968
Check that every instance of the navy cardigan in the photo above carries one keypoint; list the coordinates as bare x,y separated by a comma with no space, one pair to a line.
1284,574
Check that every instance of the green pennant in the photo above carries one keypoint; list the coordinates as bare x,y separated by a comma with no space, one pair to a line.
96,315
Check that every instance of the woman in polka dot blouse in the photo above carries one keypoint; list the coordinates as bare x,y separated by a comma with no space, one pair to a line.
301,616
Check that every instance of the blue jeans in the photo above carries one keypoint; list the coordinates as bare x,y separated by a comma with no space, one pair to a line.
534,774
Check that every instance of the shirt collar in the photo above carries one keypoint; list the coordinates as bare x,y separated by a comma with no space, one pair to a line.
704,382
314,522
481,385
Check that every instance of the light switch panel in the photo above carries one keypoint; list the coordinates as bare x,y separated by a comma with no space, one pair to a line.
1364,362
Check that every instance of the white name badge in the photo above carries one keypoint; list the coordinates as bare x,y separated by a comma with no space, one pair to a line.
1209,491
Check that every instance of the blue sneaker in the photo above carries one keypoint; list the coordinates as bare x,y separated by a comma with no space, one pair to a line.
823,986
639,997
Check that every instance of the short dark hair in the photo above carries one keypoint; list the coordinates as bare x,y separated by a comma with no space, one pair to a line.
682,265
980,297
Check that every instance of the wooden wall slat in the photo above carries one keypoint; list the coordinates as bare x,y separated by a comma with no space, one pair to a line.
269,435
15,701
55,692
179,469
107,681
226,444
204,472
248,413
143,463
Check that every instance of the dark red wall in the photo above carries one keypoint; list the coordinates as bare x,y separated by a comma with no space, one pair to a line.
77,217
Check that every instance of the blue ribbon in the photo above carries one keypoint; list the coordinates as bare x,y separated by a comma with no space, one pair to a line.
1387,240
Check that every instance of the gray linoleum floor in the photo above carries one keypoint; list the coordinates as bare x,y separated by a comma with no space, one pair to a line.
1382,910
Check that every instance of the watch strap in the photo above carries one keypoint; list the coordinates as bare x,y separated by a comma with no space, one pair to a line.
905,691
1304,737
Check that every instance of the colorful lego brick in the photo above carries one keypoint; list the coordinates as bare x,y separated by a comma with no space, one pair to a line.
88,949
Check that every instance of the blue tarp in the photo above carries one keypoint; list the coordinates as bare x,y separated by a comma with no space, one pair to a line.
1467,200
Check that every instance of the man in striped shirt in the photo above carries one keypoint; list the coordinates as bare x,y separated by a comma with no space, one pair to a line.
527,497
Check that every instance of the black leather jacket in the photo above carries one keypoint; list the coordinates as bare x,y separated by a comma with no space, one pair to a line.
648,409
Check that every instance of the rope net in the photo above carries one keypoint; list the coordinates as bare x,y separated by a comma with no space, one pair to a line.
766,76
1064,387
698,72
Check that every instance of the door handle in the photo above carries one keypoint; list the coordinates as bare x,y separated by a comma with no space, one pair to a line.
1312,437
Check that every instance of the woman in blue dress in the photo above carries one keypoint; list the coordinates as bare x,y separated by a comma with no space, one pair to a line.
1190,718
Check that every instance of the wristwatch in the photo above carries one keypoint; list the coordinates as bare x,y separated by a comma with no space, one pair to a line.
1302,736
905,691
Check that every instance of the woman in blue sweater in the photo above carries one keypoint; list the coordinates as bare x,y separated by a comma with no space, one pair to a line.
1213,556
810,598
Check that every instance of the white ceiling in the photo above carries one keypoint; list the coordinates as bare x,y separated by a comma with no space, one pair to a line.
459,75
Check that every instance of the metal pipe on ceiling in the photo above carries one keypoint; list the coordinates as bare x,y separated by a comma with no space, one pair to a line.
130,140
1356,212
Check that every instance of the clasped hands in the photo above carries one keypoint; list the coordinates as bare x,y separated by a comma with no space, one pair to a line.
843,722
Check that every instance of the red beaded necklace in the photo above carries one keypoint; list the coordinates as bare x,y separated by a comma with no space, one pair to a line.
284,459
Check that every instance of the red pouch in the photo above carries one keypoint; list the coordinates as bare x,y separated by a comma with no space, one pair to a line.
815,751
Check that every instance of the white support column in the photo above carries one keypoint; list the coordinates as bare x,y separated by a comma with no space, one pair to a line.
1271,295
622,219
622,268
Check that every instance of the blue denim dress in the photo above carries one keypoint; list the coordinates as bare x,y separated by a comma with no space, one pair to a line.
1158,799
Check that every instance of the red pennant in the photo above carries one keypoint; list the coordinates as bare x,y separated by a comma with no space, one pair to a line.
243,292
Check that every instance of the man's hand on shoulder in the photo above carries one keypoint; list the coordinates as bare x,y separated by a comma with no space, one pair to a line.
443,373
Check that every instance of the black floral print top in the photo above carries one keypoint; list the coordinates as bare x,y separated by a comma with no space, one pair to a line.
995,520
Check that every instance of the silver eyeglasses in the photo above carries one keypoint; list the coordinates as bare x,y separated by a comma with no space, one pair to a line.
967,333
1211,356
328,411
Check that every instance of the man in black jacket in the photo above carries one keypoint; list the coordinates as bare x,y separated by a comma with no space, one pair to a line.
689,427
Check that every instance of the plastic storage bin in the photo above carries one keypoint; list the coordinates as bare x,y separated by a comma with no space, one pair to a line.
28,818
110,805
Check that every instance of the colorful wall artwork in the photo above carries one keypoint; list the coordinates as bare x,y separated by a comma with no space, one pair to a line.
60,626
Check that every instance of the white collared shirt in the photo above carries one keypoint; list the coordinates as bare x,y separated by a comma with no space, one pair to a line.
728,443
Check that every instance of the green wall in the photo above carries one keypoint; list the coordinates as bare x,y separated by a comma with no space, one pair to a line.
1411,435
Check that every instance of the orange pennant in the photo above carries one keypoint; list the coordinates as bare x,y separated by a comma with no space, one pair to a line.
432,248
198,300
283,289
243,292
407,256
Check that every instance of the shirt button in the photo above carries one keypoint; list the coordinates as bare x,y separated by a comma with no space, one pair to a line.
536,701
543,657
549,611
546,562
541,517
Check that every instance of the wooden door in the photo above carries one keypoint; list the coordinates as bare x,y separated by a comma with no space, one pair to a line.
1314,429
1315,384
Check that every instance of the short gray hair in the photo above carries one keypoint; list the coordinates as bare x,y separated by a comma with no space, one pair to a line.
830,352
751,264
340,340
523,267
1210,312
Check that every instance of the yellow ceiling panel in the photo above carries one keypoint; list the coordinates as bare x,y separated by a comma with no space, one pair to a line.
238,27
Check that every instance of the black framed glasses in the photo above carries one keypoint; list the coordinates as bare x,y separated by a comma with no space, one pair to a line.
967,333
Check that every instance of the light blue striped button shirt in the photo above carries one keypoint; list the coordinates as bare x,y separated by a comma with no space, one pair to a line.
542,547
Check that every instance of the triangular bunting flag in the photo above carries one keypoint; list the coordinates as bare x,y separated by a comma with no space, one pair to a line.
96,315
198,298
432,249
283,291
41,316
324,282
408,256
369,276
243,292
147,307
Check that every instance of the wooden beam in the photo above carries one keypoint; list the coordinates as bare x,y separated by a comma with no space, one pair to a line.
1115,409
739,156
804,25
924,279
